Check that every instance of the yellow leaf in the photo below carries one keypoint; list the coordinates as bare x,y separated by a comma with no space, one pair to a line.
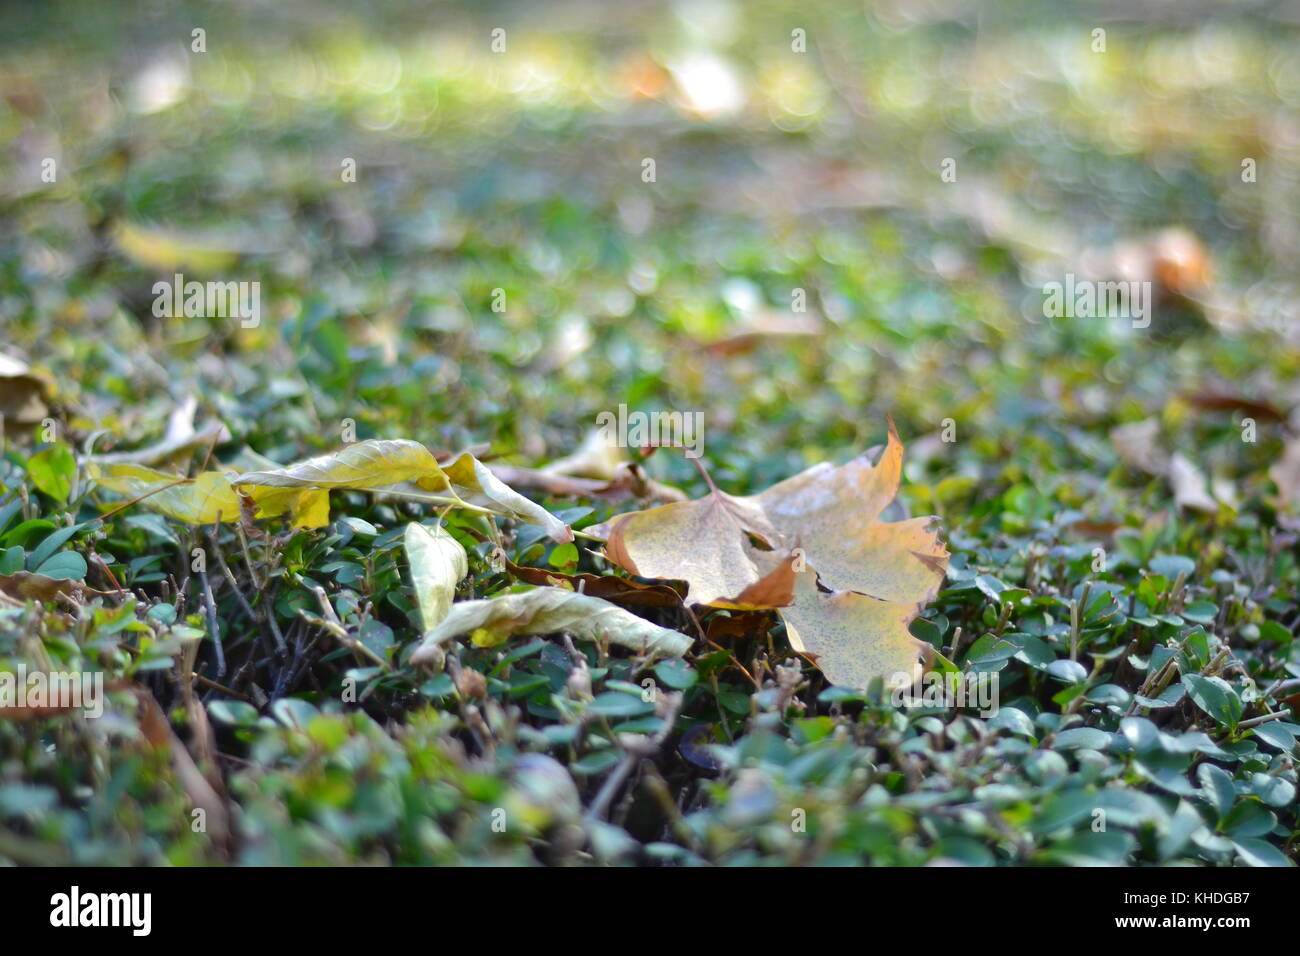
387,465
366,464
306,507
438,563
161,250
854,637
745,552
705,543
831,513
473,482
200,500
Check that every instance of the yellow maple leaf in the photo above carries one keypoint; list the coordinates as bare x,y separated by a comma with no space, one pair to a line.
812,547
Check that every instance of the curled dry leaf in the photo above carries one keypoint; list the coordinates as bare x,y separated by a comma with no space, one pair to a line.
1188,484
1286,473
25,713
438,563
621,591
474,482
721,544
156,729
629,482
28,585
600,468
764,326
708,543
814,548
181,436
1138,445
1222,400
597,457
387,464
546,610
23,392
737,626
1174,258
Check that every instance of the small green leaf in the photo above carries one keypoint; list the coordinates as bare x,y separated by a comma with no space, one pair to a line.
52,470
1215,696
1276,735
1254,852
52,543
564,556
618,704
1080,737
67,565
235,712
676,673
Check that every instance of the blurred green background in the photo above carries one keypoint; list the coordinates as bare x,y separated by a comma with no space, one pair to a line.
521,170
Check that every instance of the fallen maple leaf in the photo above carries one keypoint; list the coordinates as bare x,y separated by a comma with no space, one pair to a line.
833,515
708,543
812,547
854,638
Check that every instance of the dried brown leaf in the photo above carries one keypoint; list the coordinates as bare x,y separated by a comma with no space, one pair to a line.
769,550
23,392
